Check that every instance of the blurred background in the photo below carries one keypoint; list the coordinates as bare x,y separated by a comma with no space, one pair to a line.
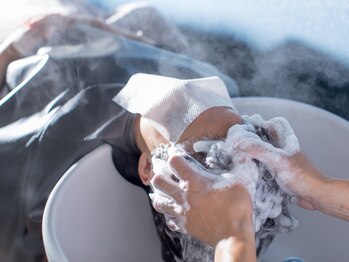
290,49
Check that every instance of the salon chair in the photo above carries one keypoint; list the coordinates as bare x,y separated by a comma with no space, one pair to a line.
93,214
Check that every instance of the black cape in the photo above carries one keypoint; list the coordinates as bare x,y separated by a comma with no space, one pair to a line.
60,109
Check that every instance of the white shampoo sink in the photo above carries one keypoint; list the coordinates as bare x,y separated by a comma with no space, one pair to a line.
93,214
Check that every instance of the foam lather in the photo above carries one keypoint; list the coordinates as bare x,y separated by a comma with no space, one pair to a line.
171,104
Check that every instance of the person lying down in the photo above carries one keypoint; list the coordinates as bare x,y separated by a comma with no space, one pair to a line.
58,107
196,118
174,112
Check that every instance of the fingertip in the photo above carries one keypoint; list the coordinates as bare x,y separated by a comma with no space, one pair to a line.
249,146
151,196
260,150
178,161
174,156
158,180
181,165
154,179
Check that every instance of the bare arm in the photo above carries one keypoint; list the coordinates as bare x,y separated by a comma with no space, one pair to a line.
296,174
328,195
239,246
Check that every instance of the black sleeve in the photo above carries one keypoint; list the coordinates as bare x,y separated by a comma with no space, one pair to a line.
70,121
31,162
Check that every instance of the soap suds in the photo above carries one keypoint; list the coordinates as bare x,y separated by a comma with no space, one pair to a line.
160,167
227,166
226,245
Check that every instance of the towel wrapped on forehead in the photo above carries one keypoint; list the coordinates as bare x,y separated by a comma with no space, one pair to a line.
171,104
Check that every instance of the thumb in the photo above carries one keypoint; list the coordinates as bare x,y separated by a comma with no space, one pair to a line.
184,166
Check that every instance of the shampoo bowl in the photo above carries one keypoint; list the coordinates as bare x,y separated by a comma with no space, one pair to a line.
93,214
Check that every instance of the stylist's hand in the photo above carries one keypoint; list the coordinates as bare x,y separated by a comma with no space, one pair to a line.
213,214
295,173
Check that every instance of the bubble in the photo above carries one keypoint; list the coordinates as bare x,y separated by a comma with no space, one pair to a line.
231,167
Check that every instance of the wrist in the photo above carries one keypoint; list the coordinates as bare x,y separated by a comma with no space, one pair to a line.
241,229
321,193
238,247
305,177
314,183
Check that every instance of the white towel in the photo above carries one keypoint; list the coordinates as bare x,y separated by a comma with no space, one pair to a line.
172,104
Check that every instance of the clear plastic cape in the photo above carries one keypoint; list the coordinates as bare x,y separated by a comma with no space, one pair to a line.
60,108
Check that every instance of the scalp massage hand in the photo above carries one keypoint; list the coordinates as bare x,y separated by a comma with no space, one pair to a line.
295,173
283,157
213,213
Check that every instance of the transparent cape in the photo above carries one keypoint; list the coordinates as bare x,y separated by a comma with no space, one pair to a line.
61,108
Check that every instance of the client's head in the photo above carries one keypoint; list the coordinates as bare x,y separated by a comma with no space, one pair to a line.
175,110
211,144
185,111
211,124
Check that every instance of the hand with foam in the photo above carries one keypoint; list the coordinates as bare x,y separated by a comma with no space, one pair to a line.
210,213
295,174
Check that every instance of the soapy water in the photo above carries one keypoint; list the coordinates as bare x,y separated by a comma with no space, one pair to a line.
229,166
158,197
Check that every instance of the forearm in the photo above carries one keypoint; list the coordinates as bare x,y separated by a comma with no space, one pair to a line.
315,191
332,198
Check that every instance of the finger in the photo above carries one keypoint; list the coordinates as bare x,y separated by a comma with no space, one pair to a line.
168,186
166,205
256,120
185,168
160,167
176,224
203,146
251,122
280,126
240,127
284,134
262,151
236,136
241,130
172,224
